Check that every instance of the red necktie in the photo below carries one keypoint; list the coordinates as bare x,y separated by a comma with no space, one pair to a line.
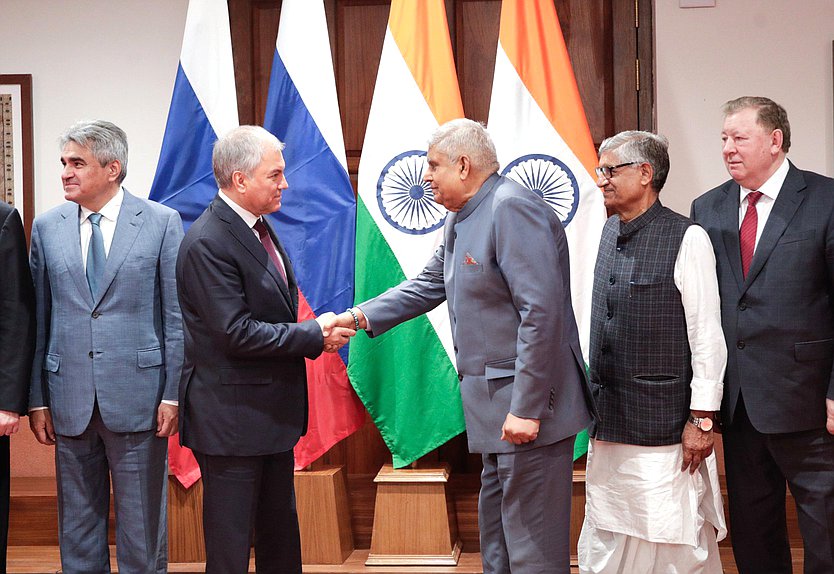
266,240
747,232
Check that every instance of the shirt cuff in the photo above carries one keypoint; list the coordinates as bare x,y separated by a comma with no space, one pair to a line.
172,403
368,328
38,409
706,394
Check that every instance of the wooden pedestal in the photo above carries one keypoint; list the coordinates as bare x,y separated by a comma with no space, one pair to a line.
414,519
323,516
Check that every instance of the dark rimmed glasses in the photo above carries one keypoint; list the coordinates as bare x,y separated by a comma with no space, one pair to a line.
607,171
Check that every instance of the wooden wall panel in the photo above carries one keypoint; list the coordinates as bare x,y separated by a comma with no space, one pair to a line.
476,39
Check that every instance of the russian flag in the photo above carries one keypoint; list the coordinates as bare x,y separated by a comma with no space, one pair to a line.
316,222
203,106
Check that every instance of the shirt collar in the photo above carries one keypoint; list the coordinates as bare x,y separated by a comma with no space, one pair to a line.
771,187
248,218
109,211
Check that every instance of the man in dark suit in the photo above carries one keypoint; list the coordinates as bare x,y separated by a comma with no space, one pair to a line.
504,270
243,394
772,228
108,355
17,346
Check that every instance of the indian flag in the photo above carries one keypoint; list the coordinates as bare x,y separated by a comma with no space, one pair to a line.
541,134
407,377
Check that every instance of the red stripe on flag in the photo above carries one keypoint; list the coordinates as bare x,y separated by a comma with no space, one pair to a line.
335,410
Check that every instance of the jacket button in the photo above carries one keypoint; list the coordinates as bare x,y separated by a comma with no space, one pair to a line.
609,315
90,354
742,306
611,280
460,377
740,345
96,314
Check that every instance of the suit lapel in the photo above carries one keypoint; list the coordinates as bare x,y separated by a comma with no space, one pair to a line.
128,225
246,237
787,202
70,234
728,214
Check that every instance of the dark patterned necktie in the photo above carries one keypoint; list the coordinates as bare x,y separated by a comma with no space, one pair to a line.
266,241
747,232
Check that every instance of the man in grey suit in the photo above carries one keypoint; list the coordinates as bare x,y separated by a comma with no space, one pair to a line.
503,267
108,354
772,228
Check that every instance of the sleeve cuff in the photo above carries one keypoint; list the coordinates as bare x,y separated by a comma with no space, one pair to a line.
706,395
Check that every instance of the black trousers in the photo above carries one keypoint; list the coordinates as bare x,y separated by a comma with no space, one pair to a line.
242,494
4,500
759,467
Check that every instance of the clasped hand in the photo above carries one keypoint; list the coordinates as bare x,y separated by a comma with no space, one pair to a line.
336,330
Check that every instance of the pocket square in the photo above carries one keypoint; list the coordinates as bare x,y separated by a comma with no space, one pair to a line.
469,260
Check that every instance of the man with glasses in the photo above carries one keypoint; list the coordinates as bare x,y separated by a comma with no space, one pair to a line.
657,361
772,226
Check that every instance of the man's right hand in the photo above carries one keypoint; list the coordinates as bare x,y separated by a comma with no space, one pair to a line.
335,336
40,421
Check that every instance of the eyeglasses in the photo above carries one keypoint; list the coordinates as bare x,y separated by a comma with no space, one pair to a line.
607,171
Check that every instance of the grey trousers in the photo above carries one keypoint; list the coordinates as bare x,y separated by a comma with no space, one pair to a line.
524,510
137,463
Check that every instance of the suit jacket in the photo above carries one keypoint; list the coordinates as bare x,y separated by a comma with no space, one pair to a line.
17,313
244,386
505,272
121,347
779,321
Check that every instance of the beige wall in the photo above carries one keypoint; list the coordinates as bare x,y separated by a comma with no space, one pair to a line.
114,60
705,56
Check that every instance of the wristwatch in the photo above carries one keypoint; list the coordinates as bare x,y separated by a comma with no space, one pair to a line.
703,423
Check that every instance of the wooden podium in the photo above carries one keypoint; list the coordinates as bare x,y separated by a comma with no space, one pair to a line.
323,515
414,519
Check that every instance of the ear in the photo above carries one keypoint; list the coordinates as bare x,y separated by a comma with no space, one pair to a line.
464,165
646,173
239,181
776,139
114,170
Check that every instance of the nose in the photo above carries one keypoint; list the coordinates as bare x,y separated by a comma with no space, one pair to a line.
66,171
728,147
601,180
283,183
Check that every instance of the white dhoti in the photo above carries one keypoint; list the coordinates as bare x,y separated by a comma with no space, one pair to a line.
644,516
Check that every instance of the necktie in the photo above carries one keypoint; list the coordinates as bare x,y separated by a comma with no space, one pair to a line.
266,241
747,232
95,254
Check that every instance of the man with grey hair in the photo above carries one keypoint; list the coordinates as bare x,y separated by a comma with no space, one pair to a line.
772,228
504,270
657,361
243,395
108,355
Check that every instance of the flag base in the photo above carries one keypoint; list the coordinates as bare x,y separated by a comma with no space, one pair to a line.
323,516
414,519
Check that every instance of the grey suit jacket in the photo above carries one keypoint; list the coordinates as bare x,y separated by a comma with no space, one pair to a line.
779,321
504,269
122,347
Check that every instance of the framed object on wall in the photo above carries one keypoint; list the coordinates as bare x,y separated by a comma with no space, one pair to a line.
17,174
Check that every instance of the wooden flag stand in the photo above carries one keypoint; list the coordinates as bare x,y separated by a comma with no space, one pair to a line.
414,519
323,515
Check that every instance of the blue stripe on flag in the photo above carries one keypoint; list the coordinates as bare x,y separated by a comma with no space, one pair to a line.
184,179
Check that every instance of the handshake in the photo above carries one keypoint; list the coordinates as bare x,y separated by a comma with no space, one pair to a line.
338,329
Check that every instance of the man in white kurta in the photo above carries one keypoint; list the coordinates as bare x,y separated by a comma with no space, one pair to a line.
653,502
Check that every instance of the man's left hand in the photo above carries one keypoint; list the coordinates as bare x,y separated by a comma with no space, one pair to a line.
518,430
166,420
9,423
697,445
829,414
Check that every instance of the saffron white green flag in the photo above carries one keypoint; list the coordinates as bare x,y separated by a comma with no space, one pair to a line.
406,378
542,138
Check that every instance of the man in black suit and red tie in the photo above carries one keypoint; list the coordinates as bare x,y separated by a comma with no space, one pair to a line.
17,346
243,394
772,228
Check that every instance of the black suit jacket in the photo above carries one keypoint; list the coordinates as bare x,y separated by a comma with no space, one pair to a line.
17,313
779,321
244,385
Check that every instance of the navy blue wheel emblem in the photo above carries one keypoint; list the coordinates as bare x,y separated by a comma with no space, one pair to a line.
405,200
551,179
